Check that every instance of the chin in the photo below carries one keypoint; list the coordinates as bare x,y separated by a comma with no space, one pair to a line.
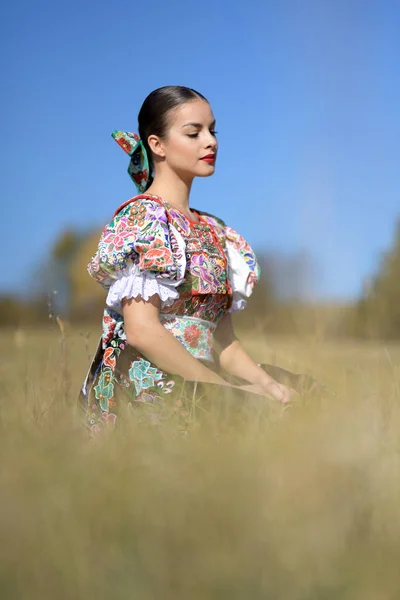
210,170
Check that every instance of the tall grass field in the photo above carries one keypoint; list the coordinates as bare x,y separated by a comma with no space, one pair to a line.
294,503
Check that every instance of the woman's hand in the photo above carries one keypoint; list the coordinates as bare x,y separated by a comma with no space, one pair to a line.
278,391
271,389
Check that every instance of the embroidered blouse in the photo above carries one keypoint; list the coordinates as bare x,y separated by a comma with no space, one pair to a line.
199,270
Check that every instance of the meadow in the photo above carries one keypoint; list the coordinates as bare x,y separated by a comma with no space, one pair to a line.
297,503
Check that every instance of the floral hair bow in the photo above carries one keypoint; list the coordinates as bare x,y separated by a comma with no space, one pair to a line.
139,164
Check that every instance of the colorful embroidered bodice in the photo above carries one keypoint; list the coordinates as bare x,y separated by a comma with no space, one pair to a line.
199,270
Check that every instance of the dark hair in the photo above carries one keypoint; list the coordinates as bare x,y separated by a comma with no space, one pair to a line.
153,116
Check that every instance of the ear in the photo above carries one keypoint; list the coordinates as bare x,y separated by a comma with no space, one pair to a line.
156,145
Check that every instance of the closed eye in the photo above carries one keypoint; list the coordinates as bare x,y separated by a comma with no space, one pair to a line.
195,135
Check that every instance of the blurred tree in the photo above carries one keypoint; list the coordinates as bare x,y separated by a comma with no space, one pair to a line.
52,275
15,311
279,302
63,277
62,256
87,296
11,310
378,310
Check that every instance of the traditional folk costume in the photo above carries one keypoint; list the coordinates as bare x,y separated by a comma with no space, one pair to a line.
199,270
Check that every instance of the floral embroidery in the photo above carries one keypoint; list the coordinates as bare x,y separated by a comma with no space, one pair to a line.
140,177
139,165
192,257
109,359
157,257
127,141
113,328
109,325
207,274
95,430
130,236
105,388
116,238
136,212
247,254
149,396
108,418
191,335
196,336
166,386
143,375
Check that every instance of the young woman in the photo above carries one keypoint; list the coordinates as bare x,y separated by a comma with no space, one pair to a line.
174,275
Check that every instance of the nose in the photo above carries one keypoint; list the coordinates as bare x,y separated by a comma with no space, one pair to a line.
212,142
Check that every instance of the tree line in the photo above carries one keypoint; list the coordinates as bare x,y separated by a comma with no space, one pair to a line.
279,303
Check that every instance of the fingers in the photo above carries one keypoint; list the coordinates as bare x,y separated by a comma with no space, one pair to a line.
279,392
274,389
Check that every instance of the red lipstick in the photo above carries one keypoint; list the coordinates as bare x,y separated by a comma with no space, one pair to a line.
209,158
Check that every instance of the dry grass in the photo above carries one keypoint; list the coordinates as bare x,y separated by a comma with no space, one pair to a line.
301,505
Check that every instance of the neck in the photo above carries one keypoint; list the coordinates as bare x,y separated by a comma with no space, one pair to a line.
173,189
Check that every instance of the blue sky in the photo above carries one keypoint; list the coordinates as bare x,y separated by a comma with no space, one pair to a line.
306,94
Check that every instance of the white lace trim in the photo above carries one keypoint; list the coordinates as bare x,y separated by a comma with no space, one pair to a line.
238,303
133,283
238,273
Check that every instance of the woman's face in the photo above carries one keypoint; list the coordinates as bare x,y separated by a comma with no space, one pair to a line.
190,138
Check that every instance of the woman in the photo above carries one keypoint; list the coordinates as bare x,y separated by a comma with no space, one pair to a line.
174,275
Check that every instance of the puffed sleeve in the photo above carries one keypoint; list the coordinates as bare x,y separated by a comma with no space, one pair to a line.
140,254
243,268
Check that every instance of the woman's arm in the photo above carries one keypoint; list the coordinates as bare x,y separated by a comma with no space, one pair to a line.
234,359
145,332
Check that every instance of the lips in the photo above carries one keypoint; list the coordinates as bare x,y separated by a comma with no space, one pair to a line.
209,158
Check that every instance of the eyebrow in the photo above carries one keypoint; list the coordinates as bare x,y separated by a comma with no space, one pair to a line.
197,124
